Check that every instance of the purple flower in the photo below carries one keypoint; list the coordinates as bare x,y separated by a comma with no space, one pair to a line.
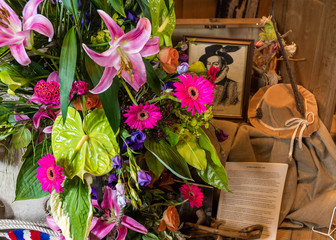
184,47
117,162
112,180
184,57
94,193
168,85
221,135
144,179
183,68
130,15
135,141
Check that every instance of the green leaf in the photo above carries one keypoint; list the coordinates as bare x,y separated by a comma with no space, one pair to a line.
152,79
67,67
84,147
12,82
206,144
163,24
21,138
27,184
109,98
38,69
169,157
215,176
145,8
191,151
118,5
150,236
101,4
172,138
154,164
72,209
72,6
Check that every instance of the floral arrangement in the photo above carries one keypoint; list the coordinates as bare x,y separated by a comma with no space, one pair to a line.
110,115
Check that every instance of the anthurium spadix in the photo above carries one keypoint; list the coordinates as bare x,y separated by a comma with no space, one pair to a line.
18,34
124,57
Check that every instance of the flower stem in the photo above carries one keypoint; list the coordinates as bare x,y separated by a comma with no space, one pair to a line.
34,50
164,97
99,44
129,92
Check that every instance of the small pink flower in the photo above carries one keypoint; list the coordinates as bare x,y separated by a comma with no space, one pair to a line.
194,92
49,174
193,194
48,92
143,116
211,75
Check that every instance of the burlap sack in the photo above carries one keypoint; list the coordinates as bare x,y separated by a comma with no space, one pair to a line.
310,190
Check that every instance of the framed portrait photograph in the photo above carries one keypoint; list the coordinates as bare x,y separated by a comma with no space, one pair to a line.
232,58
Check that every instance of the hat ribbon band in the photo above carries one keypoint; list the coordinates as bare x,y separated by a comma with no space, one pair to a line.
297,123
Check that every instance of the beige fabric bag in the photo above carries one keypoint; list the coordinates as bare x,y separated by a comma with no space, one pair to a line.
310,188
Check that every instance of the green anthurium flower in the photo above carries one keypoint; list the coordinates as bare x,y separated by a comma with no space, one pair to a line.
86,146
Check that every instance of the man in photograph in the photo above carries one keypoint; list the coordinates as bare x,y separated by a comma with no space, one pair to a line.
227,89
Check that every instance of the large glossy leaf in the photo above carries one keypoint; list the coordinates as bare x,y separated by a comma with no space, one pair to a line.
169,157
154,164
72,6
191,151
152,79
215,176
206,144
118,5
21,138
67,67
159,13
72,209
84,147
13,82
109,98
27,184
145,8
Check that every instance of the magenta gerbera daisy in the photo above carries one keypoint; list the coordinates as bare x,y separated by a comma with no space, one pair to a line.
194,92
143,116
193,194
49,174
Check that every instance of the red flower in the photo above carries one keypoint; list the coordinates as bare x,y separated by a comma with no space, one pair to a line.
193,194
211,75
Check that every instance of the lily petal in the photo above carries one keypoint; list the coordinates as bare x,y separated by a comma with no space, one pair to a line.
133,224
112,26
19,53
122,232
52,224
38,116
7,39
139,70
151,47
53,77
48,129
110,200
30,9
40,24
109,58
101,229
105,81
135,40
12,15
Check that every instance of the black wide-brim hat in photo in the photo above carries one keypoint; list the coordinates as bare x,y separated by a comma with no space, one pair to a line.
218,50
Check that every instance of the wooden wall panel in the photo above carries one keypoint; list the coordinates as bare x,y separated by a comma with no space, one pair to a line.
312,23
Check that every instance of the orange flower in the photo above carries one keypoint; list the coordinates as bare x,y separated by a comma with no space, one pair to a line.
92,101
171,219
169,59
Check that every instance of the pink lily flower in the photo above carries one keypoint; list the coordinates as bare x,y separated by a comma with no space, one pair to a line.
18,35
124,57
106,222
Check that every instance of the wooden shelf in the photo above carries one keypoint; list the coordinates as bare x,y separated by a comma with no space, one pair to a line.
217,22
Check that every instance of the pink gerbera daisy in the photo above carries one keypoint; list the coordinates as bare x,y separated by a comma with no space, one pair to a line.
194,92
193,194
49,174
143,116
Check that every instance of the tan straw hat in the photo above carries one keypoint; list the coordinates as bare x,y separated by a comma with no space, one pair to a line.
273,110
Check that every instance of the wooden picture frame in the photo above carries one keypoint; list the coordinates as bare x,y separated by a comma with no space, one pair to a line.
233,57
